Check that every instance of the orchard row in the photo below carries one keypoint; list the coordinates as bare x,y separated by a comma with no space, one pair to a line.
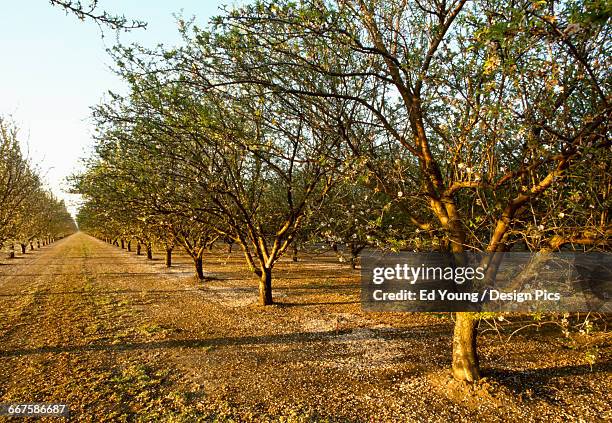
420,125
30,215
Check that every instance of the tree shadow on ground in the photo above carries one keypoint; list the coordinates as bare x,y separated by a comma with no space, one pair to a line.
314,303
197,343
539,384
105,292
320,286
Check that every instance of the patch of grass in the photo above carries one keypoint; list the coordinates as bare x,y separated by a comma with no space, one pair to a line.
142,392
152,329
103,301
94,328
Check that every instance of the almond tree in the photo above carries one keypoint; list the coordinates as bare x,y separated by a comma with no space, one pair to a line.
495,103
243,162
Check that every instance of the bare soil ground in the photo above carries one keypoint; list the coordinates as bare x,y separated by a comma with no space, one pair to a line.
121,338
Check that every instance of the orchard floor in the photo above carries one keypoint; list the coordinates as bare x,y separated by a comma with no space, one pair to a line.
118,337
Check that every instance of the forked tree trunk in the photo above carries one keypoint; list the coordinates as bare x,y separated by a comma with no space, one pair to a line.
138,249
199,268
149,251
168,257
23,248
465,357
265,287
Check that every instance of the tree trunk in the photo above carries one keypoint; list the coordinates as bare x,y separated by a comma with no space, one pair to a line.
295,252
465,353
38,244
23,248
199,269
122,244
168,257
138,249
129,245
353,255
12,251
465,356
265,287
149,251
229,247
31,246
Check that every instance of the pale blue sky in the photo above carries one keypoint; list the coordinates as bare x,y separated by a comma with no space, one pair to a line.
54,67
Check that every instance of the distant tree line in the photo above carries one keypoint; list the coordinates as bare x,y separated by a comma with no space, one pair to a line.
423,125
30,215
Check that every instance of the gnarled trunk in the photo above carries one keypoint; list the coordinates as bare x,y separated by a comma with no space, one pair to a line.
265,287
465,364
465,356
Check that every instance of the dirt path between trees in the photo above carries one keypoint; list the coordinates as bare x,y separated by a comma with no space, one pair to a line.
117,337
